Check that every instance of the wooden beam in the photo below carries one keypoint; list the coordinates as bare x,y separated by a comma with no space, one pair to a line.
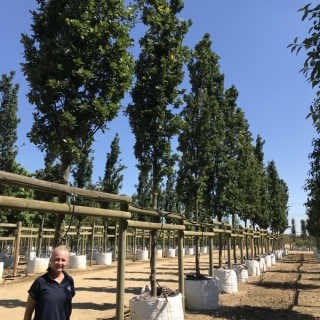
198,233
16,180
64,208
153,212
151,225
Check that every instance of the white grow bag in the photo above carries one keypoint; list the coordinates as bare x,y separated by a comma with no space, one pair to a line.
104,258
78,262
273,259
159,253
158,308
204,249
268,260
183,251
1,269
202,294
241,271
278,254
37,265
170,253
227,280
262,264
142,254
253,267
189,251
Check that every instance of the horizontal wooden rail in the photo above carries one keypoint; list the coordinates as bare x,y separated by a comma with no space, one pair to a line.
43,206
198,234
153,212
56,188
151,225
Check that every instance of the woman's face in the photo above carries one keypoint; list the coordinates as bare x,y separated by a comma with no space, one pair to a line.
59,260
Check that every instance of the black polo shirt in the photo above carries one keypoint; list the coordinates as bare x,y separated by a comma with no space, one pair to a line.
53,300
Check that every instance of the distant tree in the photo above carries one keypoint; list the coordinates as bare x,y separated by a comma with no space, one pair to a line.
155,95
112,180
311,187
78,69
304,233
9,150
311,67
278,199
262,214
293,227
8,122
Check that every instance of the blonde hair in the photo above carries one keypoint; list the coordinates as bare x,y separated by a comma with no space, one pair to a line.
60,248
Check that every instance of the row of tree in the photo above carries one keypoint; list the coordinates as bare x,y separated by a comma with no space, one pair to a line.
311,69
79,67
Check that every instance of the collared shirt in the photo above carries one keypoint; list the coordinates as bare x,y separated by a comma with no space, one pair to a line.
53,300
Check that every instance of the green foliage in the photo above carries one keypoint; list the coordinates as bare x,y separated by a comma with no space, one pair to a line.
278,200
112,180
8,122
195,137
293,227
311,67
78,69
304,232
313,191
262,213
9,150
155,93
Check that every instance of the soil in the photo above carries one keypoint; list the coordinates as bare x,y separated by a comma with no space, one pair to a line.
288,290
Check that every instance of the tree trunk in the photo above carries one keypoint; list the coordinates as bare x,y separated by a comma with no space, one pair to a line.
60,220
153,250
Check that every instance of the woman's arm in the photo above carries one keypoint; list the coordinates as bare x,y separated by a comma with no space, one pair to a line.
31,304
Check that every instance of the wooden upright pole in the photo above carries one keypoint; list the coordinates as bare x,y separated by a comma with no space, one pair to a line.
121,269
181,266
16,249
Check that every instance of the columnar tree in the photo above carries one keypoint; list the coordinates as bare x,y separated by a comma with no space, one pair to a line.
78,69
312,189
293,227
262,214
8,132
304,232
155,95
112,179
279,195
196,135
9,150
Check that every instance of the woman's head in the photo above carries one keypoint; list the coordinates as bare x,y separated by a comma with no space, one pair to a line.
59,258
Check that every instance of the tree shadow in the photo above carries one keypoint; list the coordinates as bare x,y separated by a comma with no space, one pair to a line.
253,313
12,303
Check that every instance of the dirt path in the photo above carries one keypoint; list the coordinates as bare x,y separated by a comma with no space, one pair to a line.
288,290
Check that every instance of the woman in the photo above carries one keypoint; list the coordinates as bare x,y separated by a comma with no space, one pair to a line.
51,294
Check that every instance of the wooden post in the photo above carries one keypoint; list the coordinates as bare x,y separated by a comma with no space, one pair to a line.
181,265
121,269
229,250
115,243
211,273
134,244
40,237
241,250
92,243
16,249
251,246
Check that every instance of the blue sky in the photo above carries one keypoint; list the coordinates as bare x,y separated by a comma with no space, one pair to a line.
251,38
